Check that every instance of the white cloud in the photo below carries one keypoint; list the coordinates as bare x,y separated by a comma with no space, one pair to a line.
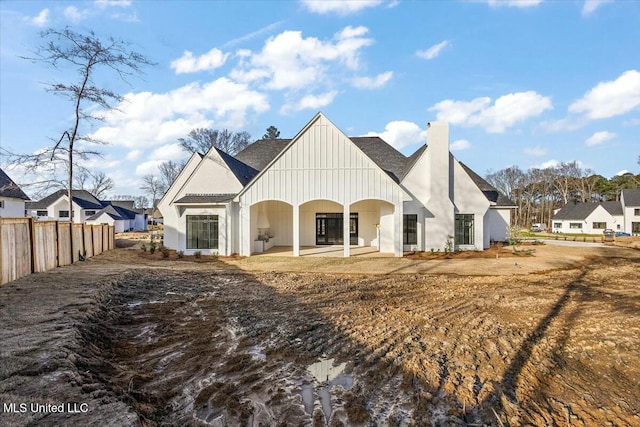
310,102
459,145
513,3
112,3
535,151
591,5
340,7
548,164
150,167
372,82
434,50
187,63
289,61
623,172
149,119
599,137
566,124
167,152
610,98
40,20
74,14
401,134
506,111
253,34
133,155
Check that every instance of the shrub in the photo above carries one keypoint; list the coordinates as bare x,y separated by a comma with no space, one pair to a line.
164,251
214,255
143,247
152,247
197,254
180,254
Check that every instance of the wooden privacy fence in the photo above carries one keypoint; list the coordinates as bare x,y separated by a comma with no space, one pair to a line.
28,246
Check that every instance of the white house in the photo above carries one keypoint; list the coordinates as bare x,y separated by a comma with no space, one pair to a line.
121,215
299,193
88,209
588,218
630,200
12,198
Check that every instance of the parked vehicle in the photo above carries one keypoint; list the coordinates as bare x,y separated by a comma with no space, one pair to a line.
622,234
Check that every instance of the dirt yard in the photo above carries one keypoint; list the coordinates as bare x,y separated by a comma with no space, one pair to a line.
134,339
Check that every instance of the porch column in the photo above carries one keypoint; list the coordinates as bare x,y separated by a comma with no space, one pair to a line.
296,230
245,230
397,235
346,216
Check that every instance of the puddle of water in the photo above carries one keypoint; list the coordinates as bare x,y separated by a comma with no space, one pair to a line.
325,371
307,397
329,376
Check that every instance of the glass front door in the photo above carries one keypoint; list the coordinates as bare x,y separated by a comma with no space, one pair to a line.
329,229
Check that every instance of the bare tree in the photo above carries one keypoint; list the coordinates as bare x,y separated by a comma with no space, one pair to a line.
201,140
95,183
87,55
168,173
140,202
153,186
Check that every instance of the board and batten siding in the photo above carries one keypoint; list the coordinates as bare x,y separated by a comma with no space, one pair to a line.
321,163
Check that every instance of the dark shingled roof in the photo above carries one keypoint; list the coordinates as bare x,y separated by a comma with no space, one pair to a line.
205,198
115,212
82,198
259,154
242,171
631,196
384,155
583,210
10,189
489,191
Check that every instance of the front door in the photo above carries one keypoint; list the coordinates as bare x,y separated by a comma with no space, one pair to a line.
329,229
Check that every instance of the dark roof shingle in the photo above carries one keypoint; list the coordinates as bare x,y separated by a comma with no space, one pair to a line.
631,196
82,198
10,189
581,211
205,198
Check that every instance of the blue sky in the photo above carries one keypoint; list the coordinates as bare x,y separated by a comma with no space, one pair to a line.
527,83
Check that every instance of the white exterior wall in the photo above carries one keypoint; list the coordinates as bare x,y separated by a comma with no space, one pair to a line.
224,245
12,207
629,216
139,223
468,199
599,214
498,222
320,164
169,211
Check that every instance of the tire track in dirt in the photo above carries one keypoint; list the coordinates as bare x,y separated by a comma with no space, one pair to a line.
230,348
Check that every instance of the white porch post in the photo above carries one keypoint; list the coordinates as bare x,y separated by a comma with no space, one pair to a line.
296,230
245,230
346,222
397,238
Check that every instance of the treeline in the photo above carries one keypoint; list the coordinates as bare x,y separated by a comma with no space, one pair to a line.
538,192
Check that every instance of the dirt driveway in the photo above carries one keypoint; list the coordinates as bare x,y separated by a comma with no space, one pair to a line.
551,339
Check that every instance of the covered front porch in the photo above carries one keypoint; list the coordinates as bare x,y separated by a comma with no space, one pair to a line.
326,251
323,228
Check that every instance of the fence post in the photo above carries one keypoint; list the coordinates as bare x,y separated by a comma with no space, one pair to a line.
32,243
58,244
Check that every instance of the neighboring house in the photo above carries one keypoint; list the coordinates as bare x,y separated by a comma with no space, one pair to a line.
630,200
121,214
12,198
588,218
88,209
299,192
594,218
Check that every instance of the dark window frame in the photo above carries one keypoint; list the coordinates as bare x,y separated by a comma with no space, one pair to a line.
202,232
599,225
464,233
63,214
410,229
